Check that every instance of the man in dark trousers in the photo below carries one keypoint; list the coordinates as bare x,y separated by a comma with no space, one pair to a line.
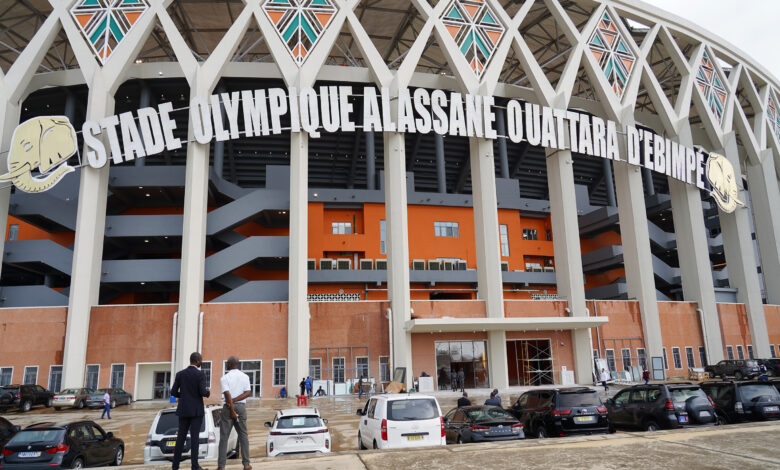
464,400
190,387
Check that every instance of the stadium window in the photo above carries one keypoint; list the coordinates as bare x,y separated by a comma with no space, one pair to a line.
677,358
30,375
118,376
625,354
504,232
341,228
55,379
611,359
689,357
315,368
530,234
92,375
750,351
361,365
666,360
445,229
384,368
772,350
730,353
383,237
280,372
205,367
640,354
13,232
6,374
740,352
548,235
703,356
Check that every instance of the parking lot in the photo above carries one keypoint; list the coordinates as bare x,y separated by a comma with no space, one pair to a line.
736,446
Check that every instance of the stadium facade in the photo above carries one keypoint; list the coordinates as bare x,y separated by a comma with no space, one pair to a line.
341,188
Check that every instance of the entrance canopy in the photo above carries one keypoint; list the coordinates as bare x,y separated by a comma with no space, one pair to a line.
455,325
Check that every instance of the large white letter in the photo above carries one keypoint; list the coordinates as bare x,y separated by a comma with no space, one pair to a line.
200,114
489,117
405,112
168,126
134,147
421,100
97,155
216,114
372,118
151,131
329,106
278,105
441,124
310,115
514,121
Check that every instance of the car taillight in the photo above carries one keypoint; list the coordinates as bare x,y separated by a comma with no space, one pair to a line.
270,447
149,440
19,394
669,405
711,402
601,409
561,412
276,433
60,449
516,428
479,428
738,407
384,429
441,420
327,443
212,438
321,431
7,451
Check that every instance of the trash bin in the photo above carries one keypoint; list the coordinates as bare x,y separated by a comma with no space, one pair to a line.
173,399
303,400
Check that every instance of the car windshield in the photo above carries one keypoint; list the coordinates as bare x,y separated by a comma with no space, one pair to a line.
751,363
169,424
752,391
568,400
410,410
42,436
489,414
104,390
680,395
294,422
69,391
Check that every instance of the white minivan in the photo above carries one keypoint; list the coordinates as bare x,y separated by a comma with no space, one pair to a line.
400,420
297,431
161,441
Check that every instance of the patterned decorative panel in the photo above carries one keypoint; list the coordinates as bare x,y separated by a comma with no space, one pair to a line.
613,54
333,298
300,23
774,116
711,86
105,23
476,29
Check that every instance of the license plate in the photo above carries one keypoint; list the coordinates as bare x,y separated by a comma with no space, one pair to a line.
682,419
170,442
704,414
584,419
29,454
772,409
414,438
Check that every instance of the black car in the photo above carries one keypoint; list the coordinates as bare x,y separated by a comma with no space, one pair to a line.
118,397
25,397
560,412
772,366
62,445
737,368
744,401
661,406
7,431
481,424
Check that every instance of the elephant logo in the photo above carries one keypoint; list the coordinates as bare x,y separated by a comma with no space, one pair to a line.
43,144
720,174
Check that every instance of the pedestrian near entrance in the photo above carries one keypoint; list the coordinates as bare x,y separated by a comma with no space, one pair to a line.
235,390
303,386
461,380
190,387
308,386
494,400
646,376
360,388
106,405
604,377
464,400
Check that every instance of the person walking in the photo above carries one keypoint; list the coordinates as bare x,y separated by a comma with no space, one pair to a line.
360,387
303,386
464,400
604,377
190,387
106,405
461,380
494,399
646,376
308,386
235,390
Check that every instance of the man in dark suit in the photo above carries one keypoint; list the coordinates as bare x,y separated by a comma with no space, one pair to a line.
190,387
464,400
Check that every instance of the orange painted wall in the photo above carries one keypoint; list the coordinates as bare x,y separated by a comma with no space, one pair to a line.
448,308
680,328
772,313
31,232
129,334
32,337
535,308
734,327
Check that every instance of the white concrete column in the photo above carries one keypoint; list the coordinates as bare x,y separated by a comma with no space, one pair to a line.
486,239
398,250
298,305
637,258
193,244
87,249
568,256
765,199
740,257
694,255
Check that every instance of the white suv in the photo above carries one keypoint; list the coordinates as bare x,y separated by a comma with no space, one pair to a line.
161,441
297,431
395,421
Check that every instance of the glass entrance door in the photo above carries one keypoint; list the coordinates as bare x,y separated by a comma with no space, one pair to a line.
470,357
254,369
162,385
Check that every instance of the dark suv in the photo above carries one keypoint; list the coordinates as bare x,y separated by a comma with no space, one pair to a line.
25,397
772,366
661,406
737,368
560,412
7,431
743,401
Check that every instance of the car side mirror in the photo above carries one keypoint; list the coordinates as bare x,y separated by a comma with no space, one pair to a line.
267,424
16,429
109,435
324,420
359,412
609,401
446,420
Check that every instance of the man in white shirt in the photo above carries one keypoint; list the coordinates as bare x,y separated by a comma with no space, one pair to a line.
235,390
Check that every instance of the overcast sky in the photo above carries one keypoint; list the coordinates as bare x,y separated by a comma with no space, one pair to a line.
751,25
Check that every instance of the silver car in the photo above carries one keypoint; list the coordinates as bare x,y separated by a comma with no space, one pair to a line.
71,398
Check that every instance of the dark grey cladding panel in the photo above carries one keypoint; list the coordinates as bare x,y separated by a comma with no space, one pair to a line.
277,177
152,176
337,276
141,270
31,296
144,225
618,290
39,251
245,208
522,277
59,211
245,252
257,291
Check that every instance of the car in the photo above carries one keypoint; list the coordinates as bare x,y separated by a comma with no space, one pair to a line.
7,431
737,368
561,412
161,441
481,424
118,397
772,366
298,431
743,401
72,398
62,445
401,420
26,396
661,406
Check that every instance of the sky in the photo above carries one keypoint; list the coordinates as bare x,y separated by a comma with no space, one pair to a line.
751,25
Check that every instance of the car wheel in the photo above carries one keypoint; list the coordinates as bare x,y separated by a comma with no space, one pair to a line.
460,439
118,456
713,375
375,446
26,406
770,373
651,426
738,375
541,433
80,405
113,404
720,420
78,463
48,403
57,408
360,442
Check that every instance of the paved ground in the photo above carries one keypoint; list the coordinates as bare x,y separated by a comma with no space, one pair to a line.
742,446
